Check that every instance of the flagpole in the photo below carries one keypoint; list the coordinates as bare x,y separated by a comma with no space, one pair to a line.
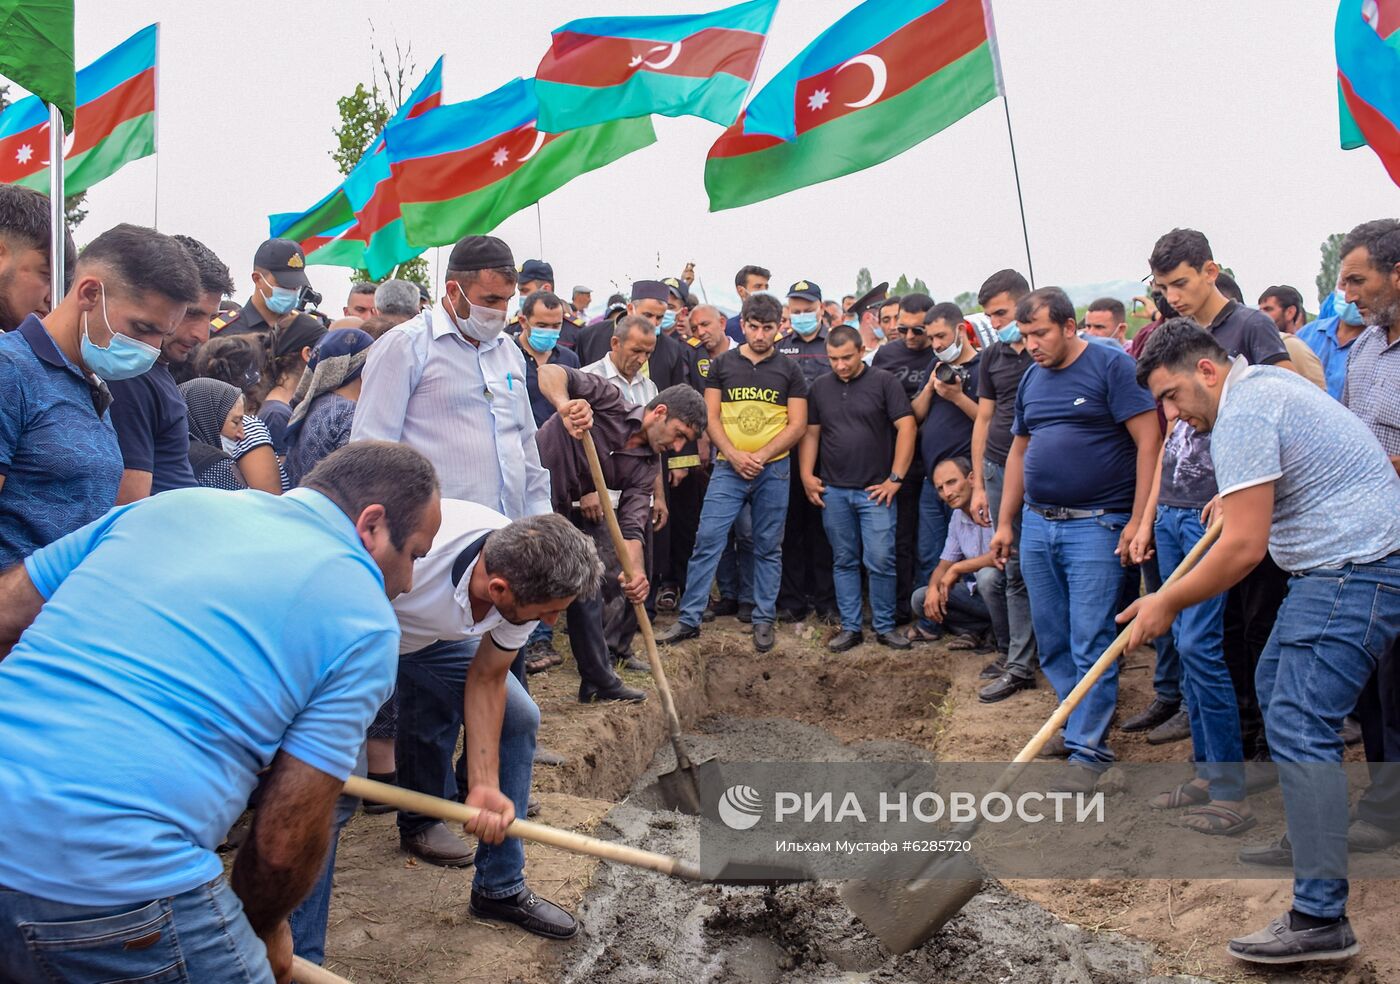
57,229
539,227
155,216
1020,201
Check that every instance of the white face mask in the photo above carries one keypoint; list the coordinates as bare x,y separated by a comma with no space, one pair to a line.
482,324
951,353
230,445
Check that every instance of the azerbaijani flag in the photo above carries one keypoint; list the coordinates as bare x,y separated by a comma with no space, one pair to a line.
356,224
1368,78
610,68
464,168
115,121
887,76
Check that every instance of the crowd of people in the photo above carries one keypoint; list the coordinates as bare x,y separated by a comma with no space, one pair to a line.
1016,483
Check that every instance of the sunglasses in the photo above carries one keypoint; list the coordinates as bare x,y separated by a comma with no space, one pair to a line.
916,329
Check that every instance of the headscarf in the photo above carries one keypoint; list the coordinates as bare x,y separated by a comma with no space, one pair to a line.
302,331
336,360
208,403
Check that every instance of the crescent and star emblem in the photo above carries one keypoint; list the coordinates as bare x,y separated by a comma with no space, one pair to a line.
672,52
879,77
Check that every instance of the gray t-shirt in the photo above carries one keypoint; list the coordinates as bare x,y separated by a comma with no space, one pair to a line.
1188,480
1336,495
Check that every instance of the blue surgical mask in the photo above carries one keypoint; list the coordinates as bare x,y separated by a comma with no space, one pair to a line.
668,321
1009,333
1351,316
879,333
282,299
852,322
543,339
805,324
123,358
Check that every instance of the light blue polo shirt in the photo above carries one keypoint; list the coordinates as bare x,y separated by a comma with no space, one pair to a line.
185,639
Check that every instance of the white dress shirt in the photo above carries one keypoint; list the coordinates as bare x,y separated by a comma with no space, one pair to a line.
464,406
641,390
436,609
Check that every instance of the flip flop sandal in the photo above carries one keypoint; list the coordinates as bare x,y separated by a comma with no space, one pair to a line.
916,634
963,644
1220,821
538,665
1187,794
666,599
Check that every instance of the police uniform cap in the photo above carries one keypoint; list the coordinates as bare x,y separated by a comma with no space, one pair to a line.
805,290
871,298
532,270
285,260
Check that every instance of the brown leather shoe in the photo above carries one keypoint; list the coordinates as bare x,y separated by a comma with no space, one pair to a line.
438,845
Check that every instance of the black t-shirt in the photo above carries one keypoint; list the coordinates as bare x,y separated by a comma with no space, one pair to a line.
149,415
998,379
754,396
810,355
909,368
277,415
857,421
947,431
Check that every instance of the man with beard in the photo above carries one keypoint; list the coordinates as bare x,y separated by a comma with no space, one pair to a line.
148,411
24,255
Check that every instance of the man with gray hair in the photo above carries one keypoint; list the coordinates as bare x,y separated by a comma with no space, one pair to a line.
477,596
633,340
397,300
630,440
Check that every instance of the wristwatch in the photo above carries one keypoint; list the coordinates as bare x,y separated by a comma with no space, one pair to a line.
896,477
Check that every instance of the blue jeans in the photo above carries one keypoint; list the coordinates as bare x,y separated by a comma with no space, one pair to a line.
966,613
934,515
734,576
1166,676
1335,627
1009,601
1075,582
308,920
432,687
1198,634
767,497
200,935
861,531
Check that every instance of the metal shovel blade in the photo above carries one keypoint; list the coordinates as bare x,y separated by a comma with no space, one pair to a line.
905,914
683,788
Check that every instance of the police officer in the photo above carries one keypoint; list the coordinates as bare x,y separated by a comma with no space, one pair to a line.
279,288
807,584
537,275
676,322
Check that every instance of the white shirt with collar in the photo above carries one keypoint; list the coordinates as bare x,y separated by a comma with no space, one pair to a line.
438,610
641,390
463,406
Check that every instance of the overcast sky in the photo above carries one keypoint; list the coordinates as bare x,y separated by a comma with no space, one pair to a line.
1130,118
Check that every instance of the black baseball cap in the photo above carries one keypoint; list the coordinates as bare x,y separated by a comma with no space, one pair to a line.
285,260
677,288
806,290
536,270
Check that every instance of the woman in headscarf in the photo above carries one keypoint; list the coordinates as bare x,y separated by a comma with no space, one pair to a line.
289,351
215,412
238,361
325,400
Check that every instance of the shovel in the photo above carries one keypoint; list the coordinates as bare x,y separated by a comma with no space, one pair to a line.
680,788
730,873
905,915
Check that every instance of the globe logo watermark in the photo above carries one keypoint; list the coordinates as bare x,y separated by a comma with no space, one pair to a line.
740,807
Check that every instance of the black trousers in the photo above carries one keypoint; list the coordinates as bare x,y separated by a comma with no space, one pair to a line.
604,624
1250,610
1378,710
906,540
807,563
684,501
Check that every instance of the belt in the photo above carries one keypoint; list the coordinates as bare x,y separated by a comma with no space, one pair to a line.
1059,513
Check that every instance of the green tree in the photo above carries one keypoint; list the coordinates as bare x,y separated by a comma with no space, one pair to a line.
863,282
967,302
901,286
1331,266
920,287
363,115
74,210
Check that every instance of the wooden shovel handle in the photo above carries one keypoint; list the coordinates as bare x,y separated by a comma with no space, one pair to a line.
1110,655
537,833
658,672
306,972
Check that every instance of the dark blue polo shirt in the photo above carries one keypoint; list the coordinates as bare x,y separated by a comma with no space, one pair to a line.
153,428
540,406
58,451
734,328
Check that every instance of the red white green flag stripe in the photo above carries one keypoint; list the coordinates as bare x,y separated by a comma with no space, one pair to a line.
851,110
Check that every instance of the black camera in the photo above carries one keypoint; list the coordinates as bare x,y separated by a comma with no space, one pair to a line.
306,297
946,372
